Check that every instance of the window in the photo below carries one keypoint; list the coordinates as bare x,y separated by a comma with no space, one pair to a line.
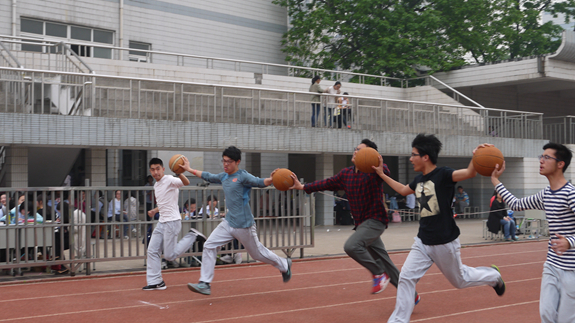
88,37
138,56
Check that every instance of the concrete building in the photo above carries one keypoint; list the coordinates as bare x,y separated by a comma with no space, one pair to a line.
96,108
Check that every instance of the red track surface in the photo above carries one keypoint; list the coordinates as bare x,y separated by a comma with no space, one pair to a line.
322,290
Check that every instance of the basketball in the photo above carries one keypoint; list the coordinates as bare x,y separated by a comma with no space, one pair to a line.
282,179
486,158
365,158
175,163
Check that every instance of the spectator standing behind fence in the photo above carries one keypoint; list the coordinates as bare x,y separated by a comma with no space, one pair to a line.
239,221
115,210
315,100
461,200
334,89
131,210
211,208
190,209
2,204
341,112
498,217
165,235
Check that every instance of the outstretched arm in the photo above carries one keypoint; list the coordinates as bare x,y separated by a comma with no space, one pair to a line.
469,172
395,185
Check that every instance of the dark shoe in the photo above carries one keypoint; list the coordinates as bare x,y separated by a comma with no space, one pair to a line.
200,288
287,275
516,238
160,286
199,236
64,271
500,287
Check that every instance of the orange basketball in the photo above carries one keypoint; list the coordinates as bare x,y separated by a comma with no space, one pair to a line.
486,158
282,179
175,163
365,158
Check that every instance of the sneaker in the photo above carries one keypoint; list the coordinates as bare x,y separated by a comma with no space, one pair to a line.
160,286
200,288
126,237
227,259
134,230
379,283
500,287
164,264
199,236
238,258
417,298
516,238
287,275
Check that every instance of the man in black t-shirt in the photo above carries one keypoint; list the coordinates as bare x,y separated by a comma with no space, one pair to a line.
437,240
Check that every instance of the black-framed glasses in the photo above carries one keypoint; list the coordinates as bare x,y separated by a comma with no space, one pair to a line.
227,161
415,155
547,157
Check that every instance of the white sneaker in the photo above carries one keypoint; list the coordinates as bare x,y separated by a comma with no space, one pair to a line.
238,258
227,259
134,230
126,237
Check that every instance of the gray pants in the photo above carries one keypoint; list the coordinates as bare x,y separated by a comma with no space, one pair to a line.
248,237
365,247
557,299
165,236
447,257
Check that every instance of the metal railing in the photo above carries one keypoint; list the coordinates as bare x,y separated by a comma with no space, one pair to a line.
181,59
142,98
559,129
74,228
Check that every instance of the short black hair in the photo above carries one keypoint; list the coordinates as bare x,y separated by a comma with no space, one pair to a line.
427,145
458,187
156,161
315,78
562,153
190,202
211,197
337,83
369,143
233,153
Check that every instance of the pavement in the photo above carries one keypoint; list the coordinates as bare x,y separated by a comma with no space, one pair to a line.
329,241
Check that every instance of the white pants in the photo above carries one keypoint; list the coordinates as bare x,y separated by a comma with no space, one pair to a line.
165,237
248,237
557,299
447,257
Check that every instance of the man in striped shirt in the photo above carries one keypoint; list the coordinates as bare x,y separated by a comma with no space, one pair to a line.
557,298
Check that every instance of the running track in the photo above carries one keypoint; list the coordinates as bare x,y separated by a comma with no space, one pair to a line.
333,289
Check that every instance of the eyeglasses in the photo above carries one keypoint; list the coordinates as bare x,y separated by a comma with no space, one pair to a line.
227,161
415,155
547,157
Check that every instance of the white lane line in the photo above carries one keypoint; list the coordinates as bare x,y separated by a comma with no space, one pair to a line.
506,306
301,289
239,279
156,305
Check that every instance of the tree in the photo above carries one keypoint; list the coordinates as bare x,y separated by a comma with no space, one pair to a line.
391,38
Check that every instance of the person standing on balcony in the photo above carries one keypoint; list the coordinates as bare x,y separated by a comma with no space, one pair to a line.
238,222
556,301
165,235
331,101
315,100
365,195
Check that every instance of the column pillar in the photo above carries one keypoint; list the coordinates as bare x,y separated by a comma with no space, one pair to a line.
324,203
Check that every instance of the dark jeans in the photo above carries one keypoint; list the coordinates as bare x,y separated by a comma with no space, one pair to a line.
365,247
124,227
315,108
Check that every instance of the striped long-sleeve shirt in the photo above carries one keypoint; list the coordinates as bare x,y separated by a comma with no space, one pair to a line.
559,207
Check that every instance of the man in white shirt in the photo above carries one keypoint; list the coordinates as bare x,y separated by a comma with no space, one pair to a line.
167,190
331,100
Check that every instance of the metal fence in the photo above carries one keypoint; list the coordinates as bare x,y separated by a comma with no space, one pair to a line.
559,129
76,227
64,93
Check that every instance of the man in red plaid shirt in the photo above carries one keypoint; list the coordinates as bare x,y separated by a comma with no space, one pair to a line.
365,194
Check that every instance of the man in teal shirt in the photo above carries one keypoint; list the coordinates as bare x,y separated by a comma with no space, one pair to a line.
239,222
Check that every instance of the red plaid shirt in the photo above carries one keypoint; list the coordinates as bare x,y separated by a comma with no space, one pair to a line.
364,192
